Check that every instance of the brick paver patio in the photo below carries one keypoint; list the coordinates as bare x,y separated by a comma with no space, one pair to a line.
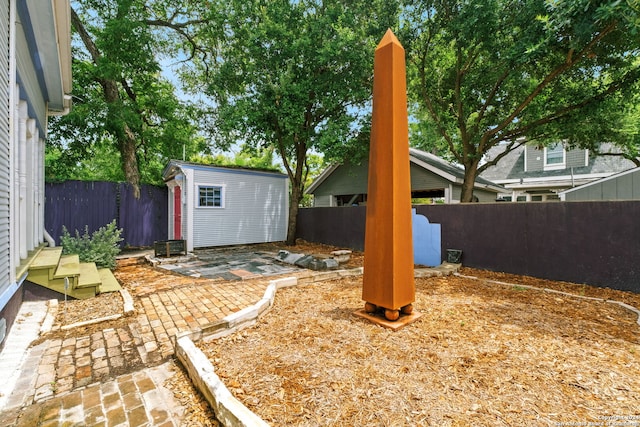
114,376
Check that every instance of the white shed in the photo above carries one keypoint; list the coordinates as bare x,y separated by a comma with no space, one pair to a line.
225,205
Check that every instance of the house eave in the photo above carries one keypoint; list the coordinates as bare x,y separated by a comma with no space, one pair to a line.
321,178
449,177
48,29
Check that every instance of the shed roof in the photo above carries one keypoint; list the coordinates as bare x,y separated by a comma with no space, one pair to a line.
174,166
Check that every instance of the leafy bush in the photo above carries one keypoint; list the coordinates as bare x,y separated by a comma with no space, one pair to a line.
101,247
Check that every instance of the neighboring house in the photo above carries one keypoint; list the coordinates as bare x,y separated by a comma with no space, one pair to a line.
222,205
35,75
431,177
621,186
540,174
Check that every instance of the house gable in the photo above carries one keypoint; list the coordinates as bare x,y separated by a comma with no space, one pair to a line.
536,159
345,179
431,176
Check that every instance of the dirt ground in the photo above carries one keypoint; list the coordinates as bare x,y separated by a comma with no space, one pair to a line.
481,354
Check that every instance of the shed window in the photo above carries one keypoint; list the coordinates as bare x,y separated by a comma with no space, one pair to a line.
210,196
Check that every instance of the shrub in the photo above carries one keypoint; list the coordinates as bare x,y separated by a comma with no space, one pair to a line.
101,247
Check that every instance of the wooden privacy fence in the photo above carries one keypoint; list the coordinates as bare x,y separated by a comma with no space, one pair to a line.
76,204
596,243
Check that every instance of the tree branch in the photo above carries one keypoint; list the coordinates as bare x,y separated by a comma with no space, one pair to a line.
429,103
84,35
571,60
509,148
565,111
180,28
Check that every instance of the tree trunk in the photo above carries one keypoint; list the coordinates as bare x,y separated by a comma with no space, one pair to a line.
127,144
294,203
297,178
470,172
124,135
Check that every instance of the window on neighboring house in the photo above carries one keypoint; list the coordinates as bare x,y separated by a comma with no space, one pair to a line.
210,196
554,157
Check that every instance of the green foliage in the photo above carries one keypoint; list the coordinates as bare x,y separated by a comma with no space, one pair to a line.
101,162
289,78
125,115
100,247
293,76
248,157
492,71
316,164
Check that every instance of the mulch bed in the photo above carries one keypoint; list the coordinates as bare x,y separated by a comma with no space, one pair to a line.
482,354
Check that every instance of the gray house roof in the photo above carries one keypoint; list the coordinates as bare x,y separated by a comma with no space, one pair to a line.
511,167
428,161
444,168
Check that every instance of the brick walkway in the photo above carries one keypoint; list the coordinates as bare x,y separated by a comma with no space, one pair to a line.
114,377
136,399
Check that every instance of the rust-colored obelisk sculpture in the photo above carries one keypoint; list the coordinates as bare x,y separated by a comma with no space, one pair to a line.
388,285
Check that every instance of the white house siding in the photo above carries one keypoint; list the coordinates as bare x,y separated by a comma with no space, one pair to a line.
5,164
35,70
28,161
171,212
255,208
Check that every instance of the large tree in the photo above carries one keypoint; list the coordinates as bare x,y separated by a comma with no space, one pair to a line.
123,107
293,75
513,71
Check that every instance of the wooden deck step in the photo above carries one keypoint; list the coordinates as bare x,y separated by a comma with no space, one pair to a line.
69,266
108,281
89,276
47,259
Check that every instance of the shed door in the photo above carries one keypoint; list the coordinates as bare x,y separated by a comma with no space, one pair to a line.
177,213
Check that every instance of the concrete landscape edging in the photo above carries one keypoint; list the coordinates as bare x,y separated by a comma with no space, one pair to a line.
554,291
229,411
